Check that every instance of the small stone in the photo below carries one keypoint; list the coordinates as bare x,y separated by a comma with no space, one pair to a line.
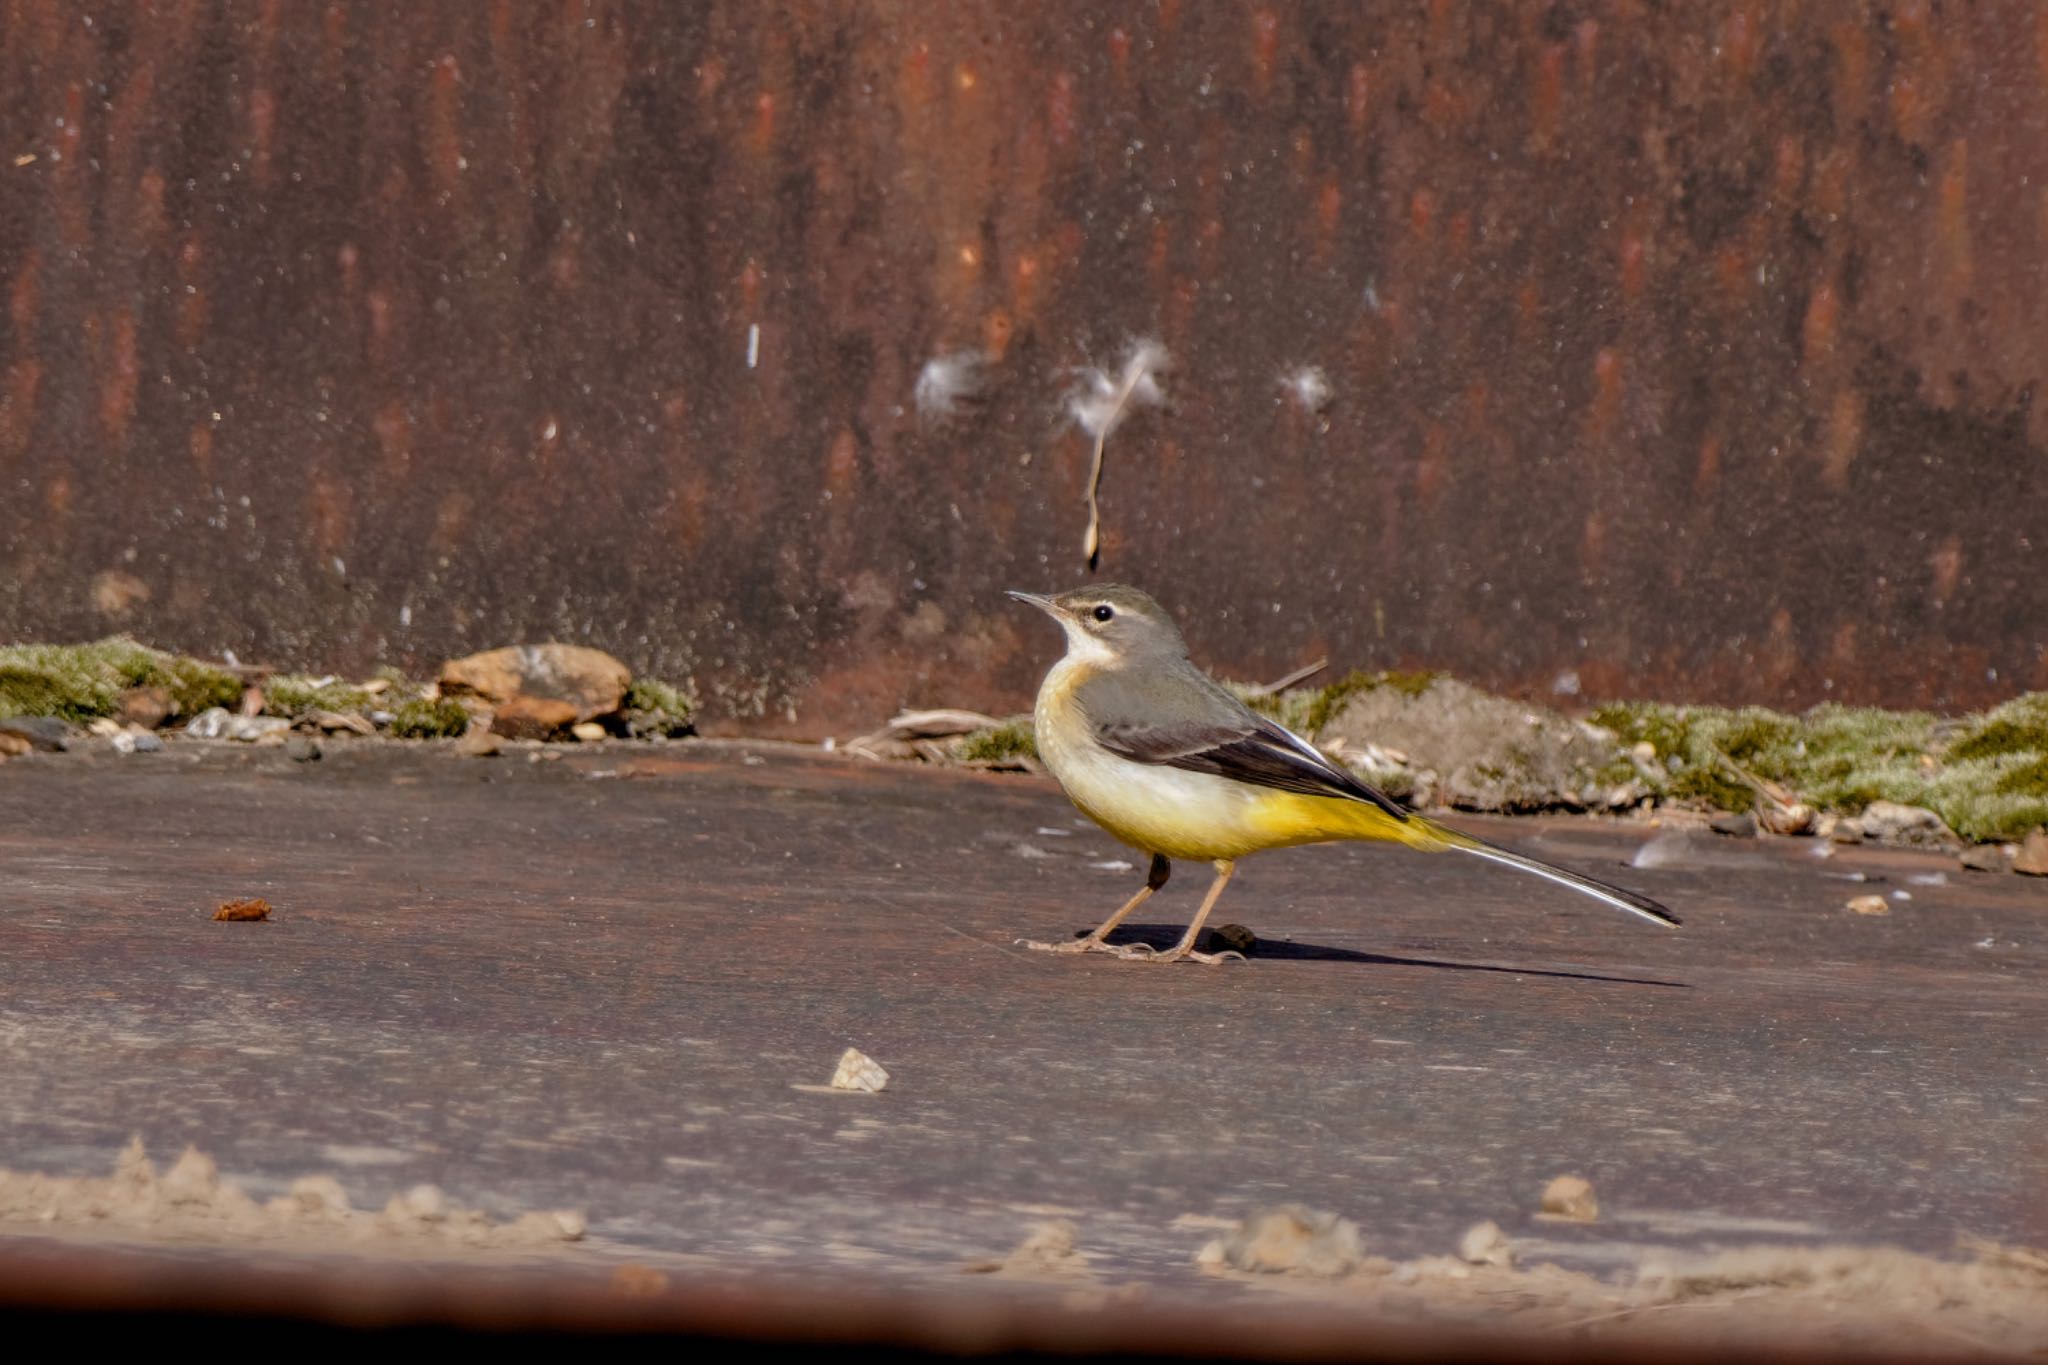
858,1071
1985,858
253,908
1890,820
1797,818
478,743
1845,831
1485,1244
46,733
147,707
14,746
533,718
1571,1197
1737,826
1231,938
1870,905
1643,751
105,727
338,722
137,742
2033,856
1290,1239
589,731
591,681
302,749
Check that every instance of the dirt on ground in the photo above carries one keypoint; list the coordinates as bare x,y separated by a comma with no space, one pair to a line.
191,1203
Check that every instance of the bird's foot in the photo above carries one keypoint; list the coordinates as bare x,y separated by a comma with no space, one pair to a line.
1127,952
1208,959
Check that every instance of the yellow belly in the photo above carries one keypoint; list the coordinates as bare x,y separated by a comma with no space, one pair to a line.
1185,814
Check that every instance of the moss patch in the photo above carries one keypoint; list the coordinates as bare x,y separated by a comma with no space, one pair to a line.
653,707
435,718
83,682
998,743
297,693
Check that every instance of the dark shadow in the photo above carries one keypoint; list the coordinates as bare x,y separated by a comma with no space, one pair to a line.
1163,936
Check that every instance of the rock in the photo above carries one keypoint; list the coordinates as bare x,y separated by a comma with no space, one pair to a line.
1889,820
137,742
589,731
1870,905
533,717
253,908
1289,1240
1845,831
147,707
216,723
479,744
1742,826
2033,858
1571,1197
1447,727
1231,938
105,727
14,746
1797,818
1485,1244
47,733
592,682
1985,858
338,722
302,749
858,1071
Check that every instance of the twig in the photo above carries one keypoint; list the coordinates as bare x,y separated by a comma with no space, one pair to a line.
1281,684
1099,407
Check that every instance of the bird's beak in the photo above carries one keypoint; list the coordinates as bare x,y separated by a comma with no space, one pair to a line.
1044,604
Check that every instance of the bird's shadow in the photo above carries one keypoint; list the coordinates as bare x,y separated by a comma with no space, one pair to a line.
1164,936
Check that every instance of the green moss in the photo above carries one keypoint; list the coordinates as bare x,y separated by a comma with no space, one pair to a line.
2018,727
422,718
653,707
1325,703
1717,789
1012,739
85,681
296,693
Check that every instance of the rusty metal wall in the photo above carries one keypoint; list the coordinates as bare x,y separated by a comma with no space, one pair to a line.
1680,349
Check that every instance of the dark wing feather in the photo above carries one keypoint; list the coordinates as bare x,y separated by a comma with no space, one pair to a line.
1248,748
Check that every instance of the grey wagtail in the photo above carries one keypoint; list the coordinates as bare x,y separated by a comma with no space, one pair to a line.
1154,751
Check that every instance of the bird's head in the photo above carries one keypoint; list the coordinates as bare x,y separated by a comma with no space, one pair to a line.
1111,624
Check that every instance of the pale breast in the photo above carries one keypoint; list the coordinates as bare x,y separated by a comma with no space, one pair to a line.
1152,807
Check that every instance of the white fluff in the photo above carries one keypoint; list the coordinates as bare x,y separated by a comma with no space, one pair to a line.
1099,402
949,383
1308,386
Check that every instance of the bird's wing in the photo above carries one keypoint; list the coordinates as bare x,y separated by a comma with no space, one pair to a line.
1225,737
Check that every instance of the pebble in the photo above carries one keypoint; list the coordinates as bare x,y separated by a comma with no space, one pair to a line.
2033,857
137,742
588,731
217,723
1485,1244
13,746
47,733
1742,826
1797,818
302,749
479,743
147,707
1846,831
1289,1240
1985,858
1870,905
1231,938
1571,1197
858,1071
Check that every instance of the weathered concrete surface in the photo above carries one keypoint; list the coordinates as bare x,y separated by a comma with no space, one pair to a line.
600,983
1688,350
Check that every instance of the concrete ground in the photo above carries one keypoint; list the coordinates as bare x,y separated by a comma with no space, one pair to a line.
615,980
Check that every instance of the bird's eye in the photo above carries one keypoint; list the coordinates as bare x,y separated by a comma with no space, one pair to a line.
1104,612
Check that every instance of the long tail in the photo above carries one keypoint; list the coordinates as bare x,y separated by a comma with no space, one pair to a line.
1618,897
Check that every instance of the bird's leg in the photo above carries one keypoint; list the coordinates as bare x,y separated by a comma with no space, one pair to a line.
1186,947
1156,878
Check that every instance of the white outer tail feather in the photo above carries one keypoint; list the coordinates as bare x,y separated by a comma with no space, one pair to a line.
1562,878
